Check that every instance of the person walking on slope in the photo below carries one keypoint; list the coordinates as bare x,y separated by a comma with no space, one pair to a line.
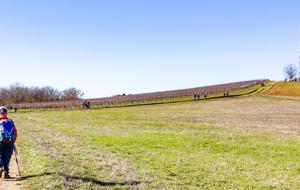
8,137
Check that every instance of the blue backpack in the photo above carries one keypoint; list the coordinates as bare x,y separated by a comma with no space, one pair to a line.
7,131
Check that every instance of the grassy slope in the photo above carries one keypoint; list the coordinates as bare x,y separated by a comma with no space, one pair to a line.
228,143
286,88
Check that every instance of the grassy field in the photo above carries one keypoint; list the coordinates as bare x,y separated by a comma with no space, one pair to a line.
246,142
286,88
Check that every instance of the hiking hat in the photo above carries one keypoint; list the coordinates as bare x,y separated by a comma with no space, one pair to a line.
3,110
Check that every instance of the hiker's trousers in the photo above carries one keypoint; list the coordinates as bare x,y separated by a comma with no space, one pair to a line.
6,150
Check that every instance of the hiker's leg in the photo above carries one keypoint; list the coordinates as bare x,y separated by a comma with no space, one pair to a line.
1,154
7,155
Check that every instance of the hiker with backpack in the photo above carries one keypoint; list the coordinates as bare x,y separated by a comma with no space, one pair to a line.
8,137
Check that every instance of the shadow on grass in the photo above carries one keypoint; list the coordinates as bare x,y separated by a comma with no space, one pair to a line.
88,179
32,176
85,179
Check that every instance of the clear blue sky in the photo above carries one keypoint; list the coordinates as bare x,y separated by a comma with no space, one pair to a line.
111,47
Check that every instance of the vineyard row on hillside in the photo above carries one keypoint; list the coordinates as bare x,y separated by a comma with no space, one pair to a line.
142,98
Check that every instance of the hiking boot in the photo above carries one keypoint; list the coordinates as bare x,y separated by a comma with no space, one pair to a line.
1,171
6,175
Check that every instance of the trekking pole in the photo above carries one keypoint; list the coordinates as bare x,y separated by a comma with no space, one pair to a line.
16,152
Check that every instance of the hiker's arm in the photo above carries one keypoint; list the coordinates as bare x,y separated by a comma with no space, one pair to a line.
15,129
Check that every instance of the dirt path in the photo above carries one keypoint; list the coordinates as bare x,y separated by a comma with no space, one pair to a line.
13,183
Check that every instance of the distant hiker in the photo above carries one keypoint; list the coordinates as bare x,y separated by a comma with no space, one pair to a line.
15,108
227,94
8,137
204,96
198,97
194,96
224,94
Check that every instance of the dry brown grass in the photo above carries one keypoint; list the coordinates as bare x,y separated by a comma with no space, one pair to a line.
286,89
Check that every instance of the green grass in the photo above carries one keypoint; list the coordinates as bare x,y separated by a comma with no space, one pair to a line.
248,142
20,110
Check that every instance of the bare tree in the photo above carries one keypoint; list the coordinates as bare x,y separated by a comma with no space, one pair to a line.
5,96
290,71
17,93
71,94
37,94
51,94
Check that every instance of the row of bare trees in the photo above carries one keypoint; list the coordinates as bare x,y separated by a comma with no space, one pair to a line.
18,93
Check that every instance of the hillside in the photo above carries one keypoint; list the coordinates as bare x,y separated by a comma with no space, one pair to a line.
163,96
285,89
249,142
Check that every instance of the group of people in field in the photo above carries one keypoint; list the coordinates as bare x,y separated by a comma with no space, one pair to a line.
86,104
197,96
225,94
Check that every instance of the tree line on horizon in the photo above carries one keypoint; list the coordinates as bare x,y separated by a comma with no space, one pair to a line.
17,93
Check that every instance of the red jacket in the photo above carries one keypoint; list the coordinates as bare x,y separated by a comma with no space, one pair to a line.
15,130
